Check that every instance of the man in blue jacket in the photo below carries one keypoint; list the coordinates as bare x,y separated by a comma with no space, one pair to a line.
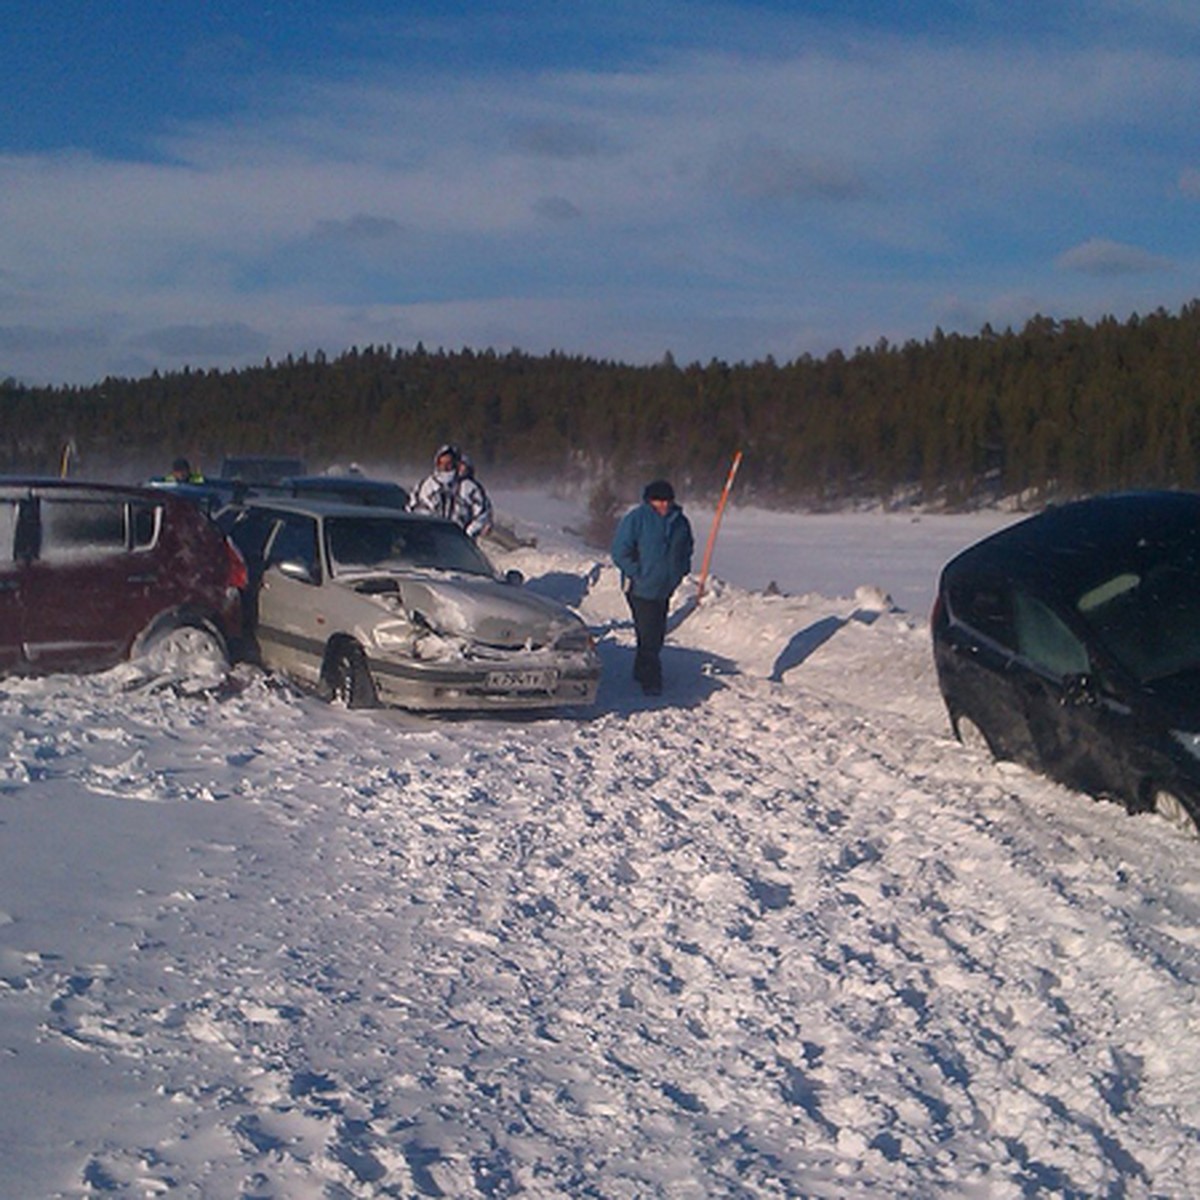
653,547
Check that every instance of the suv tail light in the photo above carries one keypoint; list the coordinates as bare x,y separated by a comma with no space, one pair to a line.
237,576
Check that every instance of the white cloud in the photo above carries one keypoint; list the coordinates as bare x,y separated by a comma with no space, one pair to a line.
842,186
1098,256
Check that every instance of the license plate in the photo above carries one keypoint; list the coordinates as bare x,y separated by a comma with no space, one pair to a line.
522,681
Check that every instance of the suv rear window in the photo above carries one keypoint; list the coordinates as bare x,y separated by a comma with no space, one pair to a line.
85,528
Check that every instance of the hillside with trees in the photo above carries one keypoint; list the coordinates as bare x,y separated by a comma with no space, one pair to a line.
1054,409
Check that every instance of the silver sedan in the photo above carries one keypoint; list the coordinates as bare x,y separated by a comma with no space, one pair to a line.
373,606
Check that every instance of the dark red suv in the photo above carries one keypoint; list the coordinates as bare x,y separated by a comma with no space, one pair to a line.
91,574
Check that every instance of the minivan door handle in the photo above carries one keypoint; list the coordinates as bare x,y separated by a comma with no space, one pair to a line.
149,577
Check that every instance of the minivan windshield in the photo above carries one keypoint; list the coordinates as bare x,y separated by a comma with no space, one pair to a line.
1148,617
367,543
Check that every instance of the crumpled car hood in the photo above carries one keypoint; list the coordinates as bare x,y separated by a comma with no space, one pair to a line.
481,610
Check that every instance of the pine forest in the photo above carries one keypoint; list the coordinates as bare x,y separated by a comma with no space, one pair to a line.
1057,409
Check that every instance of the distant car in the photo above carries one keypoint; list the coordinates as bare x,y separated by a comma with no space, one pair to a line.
1070,642
352,489
214,494
91,574
260,468
372,605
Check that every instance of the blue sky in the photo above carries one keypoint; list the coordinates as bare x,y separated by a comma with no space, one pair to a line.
214,184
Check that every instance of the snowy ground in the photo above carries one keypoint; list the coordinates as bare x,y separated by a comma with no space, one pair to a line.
774,934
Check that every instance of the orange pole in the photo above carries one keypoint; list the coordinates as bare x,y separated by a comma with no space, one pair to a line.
712,533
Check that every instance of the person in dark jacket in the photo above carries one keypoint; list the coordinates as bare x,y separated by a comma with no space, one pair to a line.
653,548
181,472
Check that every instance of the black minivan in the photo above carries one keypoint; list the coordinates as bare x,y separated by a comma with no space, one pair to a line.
1070,642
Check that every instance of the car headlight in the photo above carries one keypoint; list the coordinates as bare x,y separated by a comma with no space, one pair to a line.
1188,740
393,636
575,641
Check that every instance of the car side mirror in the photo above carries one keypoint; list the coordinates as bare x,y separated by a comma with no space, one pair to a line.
294,568
1080,691
514,578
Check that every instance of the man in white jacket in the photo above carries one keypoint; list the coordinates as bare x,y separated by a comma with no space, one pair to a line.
445,492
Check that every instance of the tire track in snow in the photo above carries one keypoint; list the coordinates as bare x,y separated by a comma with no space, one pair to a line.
776,943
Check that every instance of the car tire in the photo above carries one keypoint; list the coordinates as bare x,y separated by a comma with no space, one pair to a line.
348,680
1168,805
184,647
972,737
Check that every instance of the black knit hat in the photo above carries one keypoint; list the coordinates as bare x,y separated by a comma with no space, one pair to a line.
660,489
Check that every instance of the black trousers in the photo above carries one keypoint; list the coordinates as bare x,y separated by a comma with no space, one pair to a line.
650,624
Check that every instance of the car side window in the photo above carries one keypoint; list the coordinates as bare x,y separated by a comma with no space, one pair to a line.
27,536
1045,639
295,540
144,521
987,607
81,529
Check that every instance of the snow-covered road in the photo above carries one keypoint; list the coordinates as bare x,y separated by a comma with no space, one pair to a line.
774,934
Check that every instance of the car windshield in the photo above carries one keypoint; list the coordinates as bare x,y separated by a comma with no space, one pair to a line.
1149,616
358,544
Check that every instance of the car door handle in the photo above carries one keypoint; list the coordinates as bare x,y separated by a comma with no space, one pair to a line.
150,577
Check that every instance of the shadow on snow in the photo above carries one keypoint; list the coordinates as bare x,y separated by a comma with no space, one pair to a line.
808,641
